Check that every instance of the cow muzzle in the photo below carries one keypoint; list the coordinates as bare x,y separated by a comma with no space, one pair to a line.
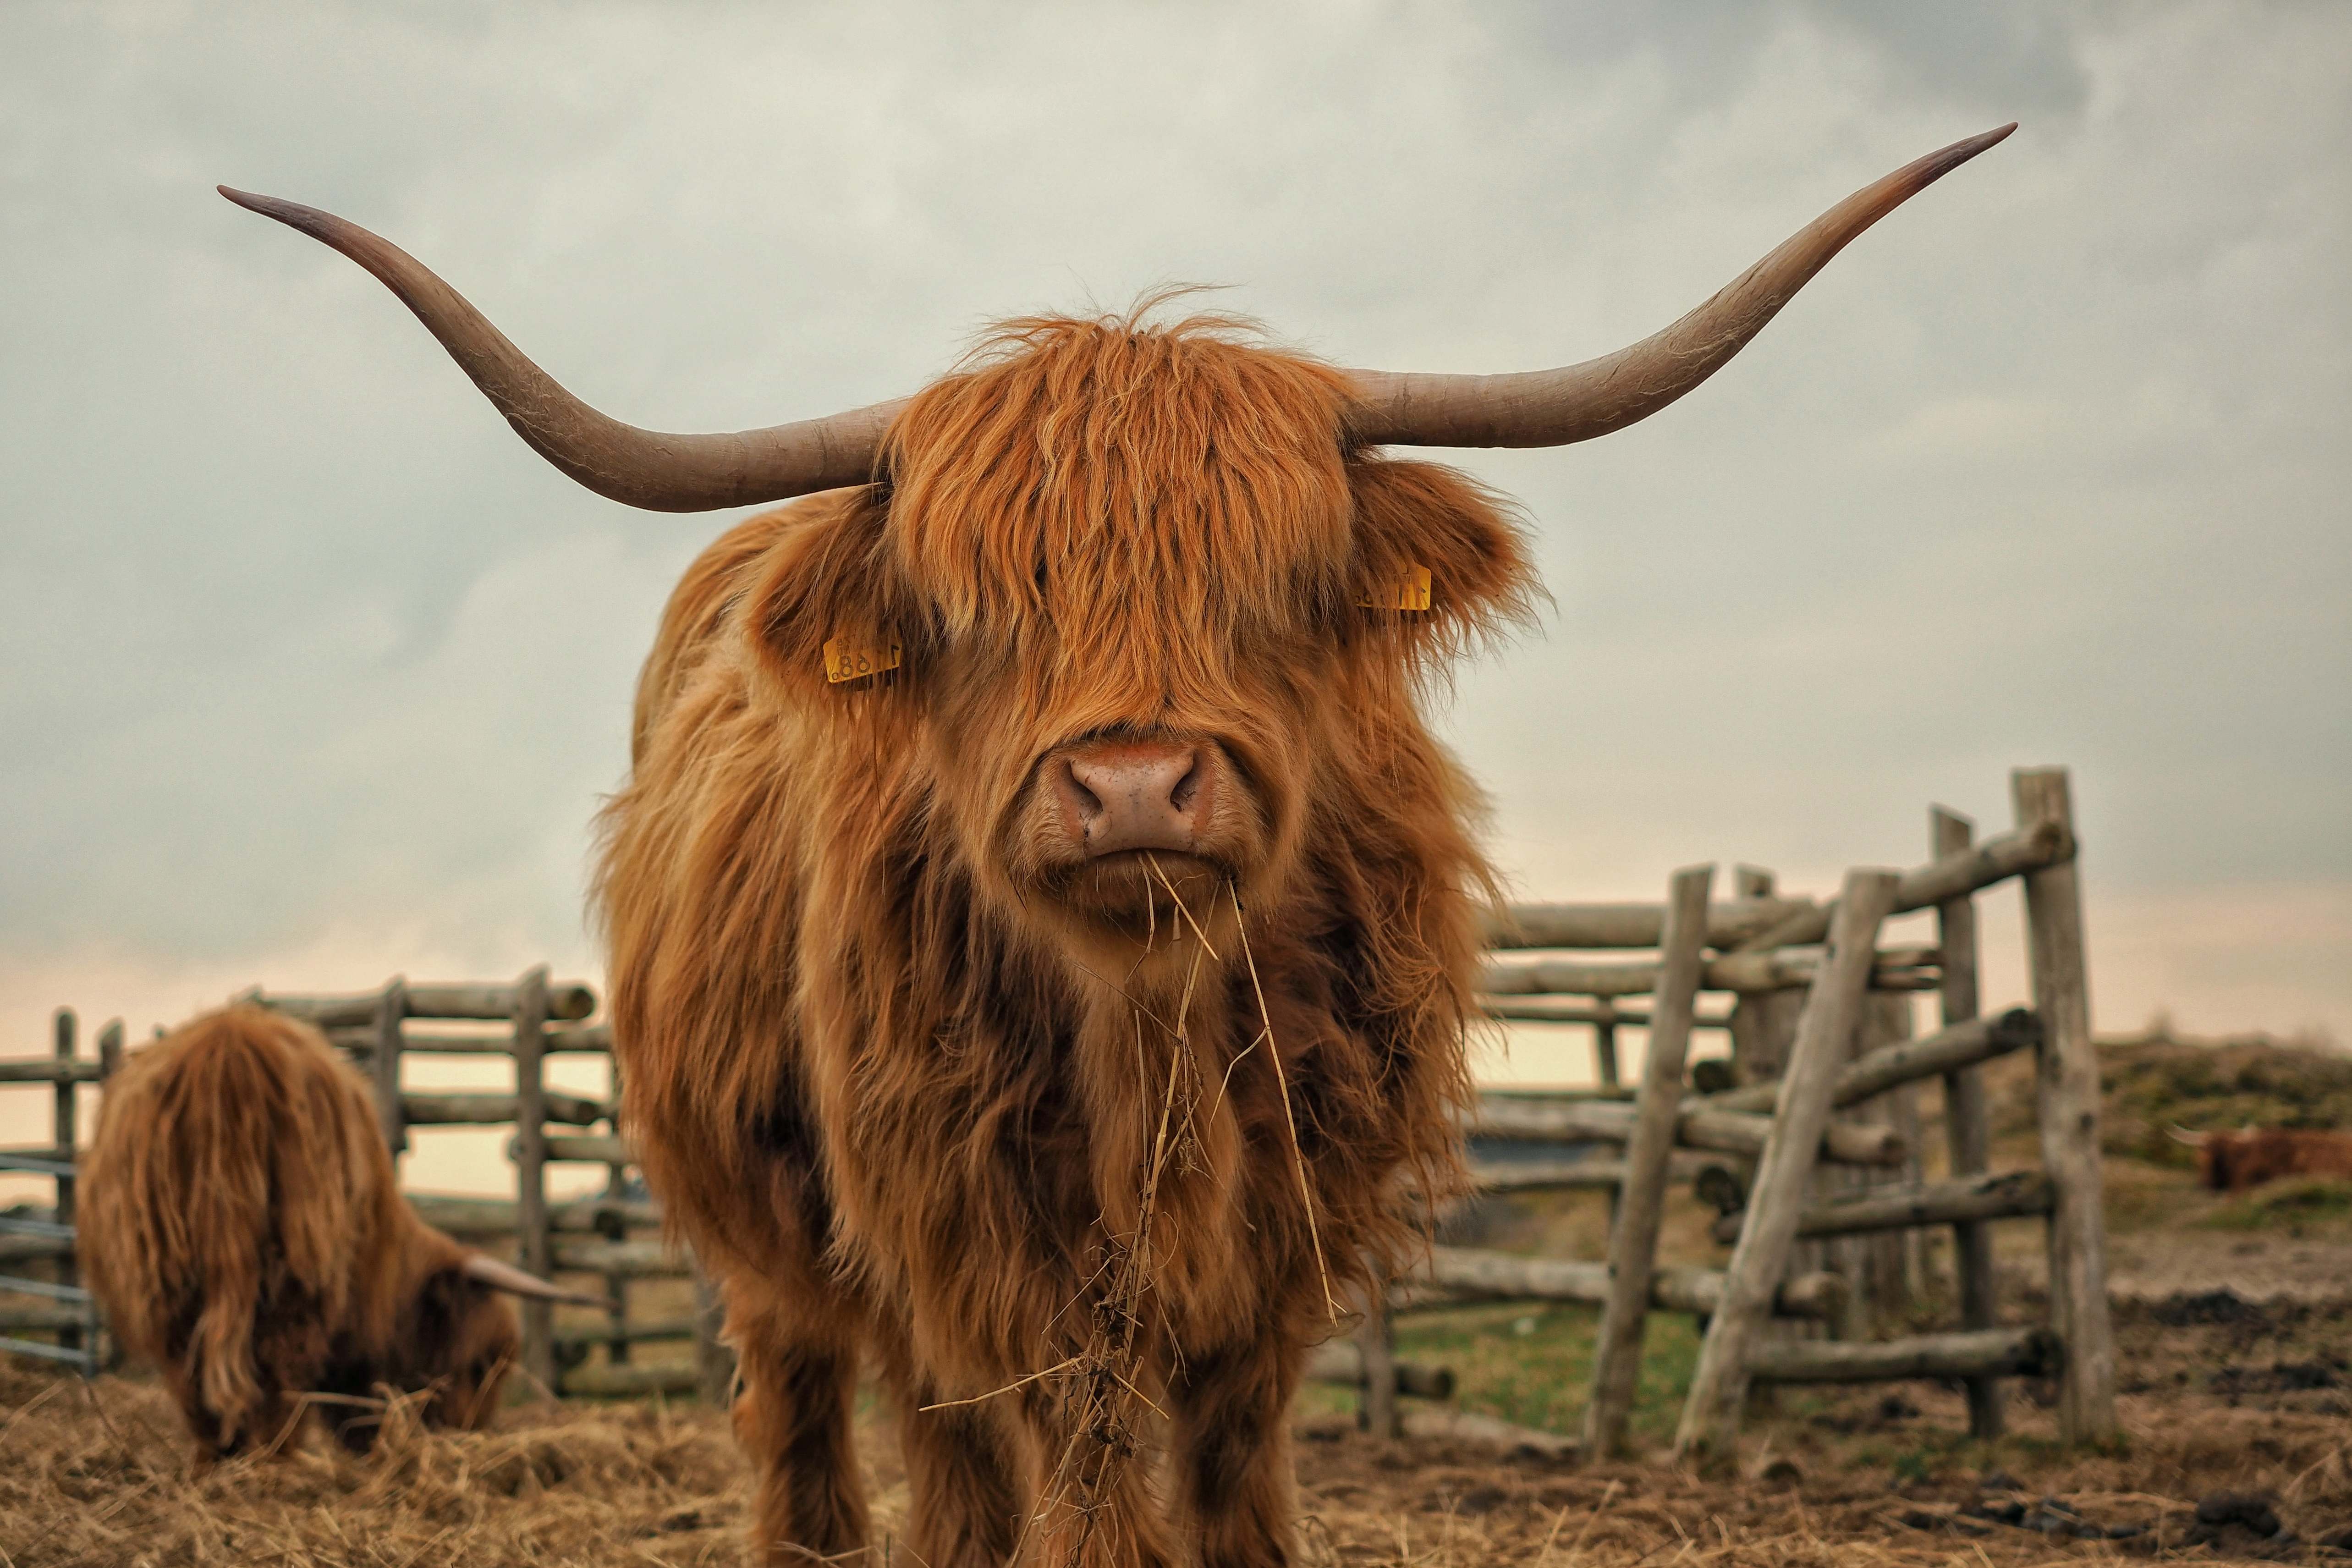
1118,830
1111,797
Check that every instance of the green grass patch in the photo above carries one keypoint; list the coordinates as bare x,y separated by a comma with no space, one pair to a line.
2151,1085
1532,1364
2295,1201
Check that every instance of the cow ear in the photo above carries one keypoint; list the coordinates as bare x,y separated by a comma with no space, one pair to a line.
830,591
1414,519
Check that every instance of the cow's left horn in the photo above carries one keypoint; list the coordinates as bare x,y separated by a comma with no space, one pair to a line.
2182,1135
1554,407
649,469
506,1277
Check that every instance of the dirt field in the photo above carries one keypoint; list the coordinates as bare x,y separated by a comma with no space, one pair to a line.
2221,1396
2234,1322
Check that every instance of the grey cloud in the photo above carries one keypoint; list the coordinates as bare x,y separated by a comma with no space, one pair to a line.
2048,467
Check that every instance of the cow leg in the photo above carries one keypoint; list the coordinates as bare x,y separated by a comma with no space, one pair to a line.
263,1421
203,1421
793,1421
353,1376
267,1426
965,1508
1232,1412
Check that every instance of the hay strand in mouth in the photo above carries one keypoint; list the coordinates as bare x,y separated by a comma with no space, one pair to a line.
1099,1388
1101,1396
1181,908
1289,1121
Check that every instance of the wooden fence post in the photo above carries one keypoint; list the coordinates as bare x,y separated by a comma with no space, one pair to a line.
1880,1265
1604,1045
612,1226
1763,1027
536,1245
391,1008
2067,1091
1633,1240
1763,1023
1710,1420
110,1062
1967,1125
714,1362
64,1132
1375,1336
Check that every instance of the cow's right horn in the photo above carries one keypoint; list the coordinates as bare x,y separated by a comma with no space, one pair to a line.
1578,401
506,1277
2182,1135
649,469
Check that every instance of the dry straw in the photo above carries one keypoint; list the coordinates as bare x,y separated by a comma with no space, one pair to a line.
97,1477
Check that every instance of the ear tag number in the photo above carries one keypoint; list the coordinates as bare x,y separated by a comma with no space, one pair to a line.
1409,593
844,662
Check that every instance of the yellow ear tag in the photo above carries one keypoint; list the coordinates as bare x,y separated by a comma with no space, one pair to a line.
844,662
1409,593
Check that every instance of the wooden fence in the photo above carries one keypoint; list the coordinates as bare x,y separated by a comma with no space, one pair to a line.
1802,1151
56,1305
1794,1144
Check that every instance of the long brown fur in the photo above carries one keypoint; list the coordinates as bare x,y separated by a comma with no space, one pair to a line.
242,1228
902,1093
2234,1162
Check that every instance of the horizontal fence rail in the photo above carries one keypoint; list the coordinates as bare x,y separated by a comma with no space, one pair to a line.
1457,1276
592,1039
569,1000
1633,925
1978,1353
1780,969
1697,1127
2016,1195
1962,1047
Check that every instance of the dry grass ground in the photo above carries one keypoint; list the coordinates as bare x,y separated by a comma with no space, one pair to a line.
2220,1399
2235,1324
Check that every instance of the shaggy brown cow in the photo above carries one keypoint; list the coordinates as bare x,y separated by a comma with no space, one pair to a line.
2232,1161
241,1226
1057,1027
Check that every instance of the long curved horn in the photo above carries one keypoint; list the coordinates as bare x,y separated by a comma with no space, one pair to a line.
506,1277
2182,1135
647,468
1554,407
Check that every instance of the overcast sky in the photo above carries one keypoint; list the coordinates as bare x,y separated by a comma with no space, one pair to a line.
309,672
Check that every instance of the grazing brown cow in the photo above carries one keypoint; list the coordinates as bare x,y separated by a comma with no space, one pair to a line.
1042,924
240,1224
2232,1161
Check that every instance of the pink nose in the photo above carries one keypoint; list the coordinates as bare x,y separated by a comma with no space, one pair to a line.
1134,795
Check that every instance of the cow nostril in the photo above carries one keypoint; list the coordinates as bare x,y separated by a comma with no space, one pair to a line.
1188,788
1088,803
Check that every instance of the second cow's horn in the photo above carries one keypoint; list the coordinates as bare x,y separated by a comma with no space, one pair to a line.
506,1277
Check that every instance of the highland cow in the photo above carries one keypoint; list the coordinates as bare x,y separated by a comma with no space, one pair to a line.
241,1228
1042,925
2234,1162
